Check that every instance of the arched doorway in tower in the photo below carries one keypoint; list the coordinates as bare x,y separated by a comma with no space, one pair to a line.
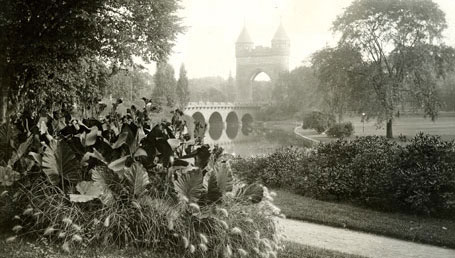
247,124
232,125
262,87
216,126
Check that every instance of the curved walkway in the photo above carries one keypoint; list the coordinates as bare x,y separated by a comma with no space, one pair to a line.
296,131
352,242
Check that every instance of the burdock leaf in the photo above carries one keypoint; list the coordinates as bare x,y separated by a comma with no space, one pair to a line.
138,179
213,191
88,190
224,177
59,161
190,186
118,164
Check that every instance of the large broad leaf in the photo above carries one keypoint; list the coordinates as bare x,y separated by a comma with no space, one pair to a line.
253,193
21,150
213,191
95,154
37,157
60,161
8,176
190,186
120,141
138,179
88,139
174,143
224,177
88,190
118,164
104,180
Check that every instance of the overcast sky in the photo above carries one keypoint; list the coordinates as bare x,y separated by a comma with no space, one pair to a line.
207,47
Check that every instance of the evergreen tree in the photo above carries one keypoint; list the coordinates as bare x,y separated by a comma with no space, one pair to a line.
183,93
165,84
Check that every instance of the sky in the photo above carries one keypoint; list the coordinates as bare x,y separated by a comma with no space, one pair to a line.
207,48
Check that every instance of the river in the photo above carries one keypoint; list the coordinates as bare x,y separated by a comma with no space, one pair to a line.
249,140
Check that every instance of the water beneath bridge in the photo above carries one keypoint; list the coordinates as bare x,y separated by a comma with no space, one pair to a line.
249,139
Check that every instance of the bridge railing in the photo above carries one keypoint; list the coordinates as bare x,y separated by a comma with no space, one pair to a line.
223,104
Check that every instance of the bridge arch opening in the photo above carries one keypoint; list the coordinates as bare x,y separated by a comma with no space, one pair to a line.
216,126
198,116
262,86
247,124
199,125
232,125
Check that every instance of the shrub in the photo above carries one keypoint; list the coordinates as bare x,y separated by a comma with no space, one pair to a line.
370,171
341,130
357,170
122,182
286,167
318,121
425,179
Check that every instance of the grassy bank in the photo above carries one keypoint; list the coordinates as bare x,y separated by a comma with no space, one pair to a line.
419,229
408,125
23,249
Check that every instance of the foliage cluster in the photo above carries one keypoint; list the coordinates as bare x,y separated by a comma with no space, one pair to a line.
339,130
53,48
418,177
318,121
129,181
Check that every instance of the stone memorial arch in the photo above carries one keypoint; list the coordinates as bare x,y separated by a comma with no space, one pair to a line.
252,60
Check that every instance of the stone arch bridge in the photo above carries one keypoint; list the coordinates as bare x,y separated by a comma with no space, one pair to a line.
227,122
222,112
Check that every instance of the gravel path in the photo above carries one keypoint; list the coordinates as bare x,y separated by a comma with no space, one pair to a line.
352,242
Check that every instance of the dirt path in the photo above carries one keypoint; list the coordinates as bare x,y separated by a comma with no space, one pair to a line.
364,244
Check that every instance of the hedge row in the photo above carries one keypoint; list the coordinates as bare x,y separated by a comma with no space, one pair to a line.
371,171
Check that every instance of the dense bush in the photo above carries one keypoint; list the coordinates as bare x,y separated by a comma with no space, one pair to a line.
318,121
285,167
371,171
425,178
123,181
339,130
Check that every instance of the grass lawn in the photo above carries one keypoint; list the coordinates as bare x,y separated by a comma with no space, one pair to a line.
22,249
419,229
408,125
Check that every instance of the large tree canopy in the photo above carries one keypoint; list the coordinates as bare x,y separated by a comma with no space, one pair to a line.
40,38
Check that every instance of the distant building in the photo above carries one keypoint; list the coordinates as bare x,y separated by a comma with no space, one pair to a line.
252,60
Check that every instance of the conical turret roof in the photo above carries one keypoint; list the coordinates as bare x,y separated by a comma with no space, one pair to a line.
244,36
280,33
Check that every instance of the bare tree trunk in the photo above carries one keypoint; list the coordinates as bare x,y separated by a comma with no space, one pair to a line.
389,133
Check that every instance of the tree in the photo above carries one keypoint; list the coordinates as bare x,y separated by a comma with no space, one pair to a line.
45,40
336,69
165,84
130,84
396,38
183,93
295,91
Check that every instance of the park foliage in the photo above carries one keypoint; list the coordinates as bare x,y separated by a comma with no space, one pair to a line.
340,130
318,121
123,181
417,177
